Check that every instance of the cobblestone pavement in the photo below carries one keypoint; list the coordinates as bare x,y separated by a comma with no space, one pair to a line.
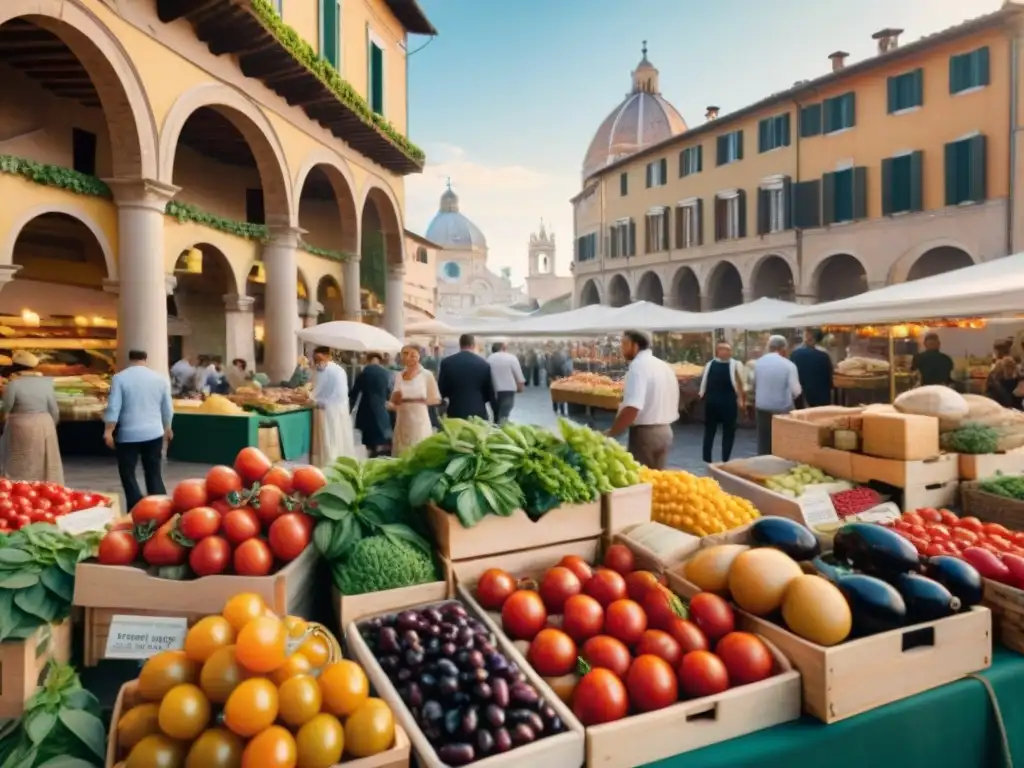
533,406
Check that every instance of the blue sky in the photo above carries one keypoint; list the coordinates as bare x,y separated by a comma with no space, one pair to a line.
506,99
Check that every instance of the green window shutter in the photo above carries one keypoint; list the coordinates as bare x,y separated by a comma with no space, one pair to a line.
828,198
850,116
376,79
978,190
723,149
763,212
623,184
647,234
887,184
785,130
806,204
647,175
666,230
810,120
682,163
700,157
632,238
955,74
739,145
951,180
699,216
663,167
764,135
329,31
860,193
916,181
719,219
787,202
893,94
741,204
981,68
917,87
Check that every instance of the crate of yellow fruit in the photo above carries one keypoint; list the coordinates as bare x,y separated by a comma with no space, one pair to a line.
253,690
695,505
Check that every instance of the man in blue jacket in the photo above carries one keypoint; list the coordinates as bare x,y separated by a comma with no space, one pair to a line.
814,366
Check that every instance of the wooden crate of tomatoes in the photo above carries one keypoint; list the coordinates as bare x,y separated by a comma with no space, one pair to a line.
22,502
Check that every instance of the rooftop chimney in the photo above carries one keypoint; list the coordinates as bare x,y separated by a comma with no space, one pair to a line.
888,39
711,114
838,60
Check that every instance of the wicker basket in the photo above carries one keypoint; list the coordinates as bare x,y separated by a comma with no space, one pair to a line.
990,507
1007,606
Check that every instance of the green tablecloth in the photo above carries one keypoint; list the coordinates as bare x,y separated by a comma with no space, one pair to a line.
213,439
950,726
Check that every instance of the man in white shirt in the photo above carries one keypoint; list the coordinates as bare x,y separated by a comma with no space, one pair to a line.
776,386
507,378
333,435
650,402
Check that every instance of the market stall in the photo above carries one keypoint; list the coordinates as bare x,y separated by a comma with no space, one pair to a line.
211,437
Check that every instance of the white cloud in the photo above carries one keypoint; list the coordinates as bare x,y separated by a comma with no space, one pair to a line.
507,202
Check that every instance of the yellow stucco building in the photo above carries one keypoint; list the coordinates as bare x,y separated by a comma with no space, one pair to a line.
893,168
224,170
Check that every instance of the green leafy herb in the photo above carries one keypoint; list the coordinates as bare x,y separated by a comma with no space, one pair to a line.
1007,486
972,438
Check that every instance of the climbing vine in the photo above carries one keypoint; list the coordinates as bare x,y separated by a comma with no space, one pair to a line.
184,212
54,176
326,253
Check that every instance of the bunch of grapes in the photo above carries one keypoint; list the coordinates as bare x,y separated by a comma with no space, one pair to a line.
606,462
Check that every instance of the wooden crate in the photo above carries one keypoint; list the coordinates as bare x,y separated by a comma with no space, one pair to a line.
647,559
625,507
494,535
936,470
935,495
527,562
1007,606
565,749
990,507
23,665
349,608
981,466
396,757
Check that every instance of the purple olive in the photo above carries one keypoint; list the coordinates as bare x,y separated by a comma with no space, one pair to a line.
482,691
434,630
522,734
374,623
525,694
432,711
494,715
413,658
452,721
447,668
502,740
403,675
413,695
407,620
432,615
470,721
457,754
474,676
496,662
484,742
448,686
453,610
500,692
448,649
389,663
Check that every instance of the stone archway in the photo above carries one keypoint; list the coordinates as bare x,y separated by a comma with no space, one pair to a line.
686,290
70,211
944,258
590,294
725,286
207,304
618,291
326,204
840,276
650,289
331,300
773,279
382,254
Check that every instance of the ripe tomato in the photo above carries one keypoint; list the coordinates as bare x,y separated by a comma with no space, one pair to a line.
5,485
189,494
660,644
289,535
221,480
221,505
701,673
971,524
221,674
156,749
162,549
279,477
163,671
625,620
270,503
62,509
620,559
579,566
344,686
321,741
552,653
638,583
209,635
240,525
557,586
912,518
746,658
606,586
600,697
308,480
582,617
210,556
494,588
713,615
995,529
949,518
251,707
688,635
118,548
299,700
215,748
662,606
252,464
930,515
651,683
253,558
937,531
153,509
198,523
523,615
608,653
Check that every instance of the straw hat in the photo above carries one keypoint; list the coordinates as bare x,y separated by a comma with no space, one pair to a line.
25,358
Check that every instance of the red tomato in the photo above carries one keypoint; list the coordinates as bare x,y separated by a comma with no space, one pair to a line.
118,548
221,480
608,653
552,653
688,635
995,529
949,518
918,530
210,556
161,549
252,464
582,617
606,586
62,509
240,525
625,620
21,521
270,503
308,480
189,494
746,658
964,535
930,515
21,488
1018,538
938,532
198,523
1000,543
651,683
153,509
253,558
221,505
600,697
523,615
494,588
901,525
660,644
935,549
912,518
971,524
43,505
620,559
579,566
289,535
278,477
713,615
6,505
921,545
662,606
557,586
5,485
701,673
638,583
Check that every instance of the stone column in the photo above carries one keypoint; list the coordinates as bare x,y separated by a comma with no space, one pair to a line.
309,313
706,303
280,342
353,296
748,295
394,304
142,290
239,329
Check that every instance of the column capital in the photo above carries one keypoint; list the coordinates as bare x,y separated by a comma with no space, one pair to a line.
286,236
396,270
235,303
141,193
112,286
354,258
8,272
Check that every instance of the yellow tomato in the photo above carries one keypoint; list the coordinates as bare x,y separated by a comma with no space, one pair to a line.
298,700
272,748
296,626
251,707
261,645
316,650
184,712
163,671
370,730
296,664
210,634
136,724
221,675
215,748
243,608
344,687
156,751
320,742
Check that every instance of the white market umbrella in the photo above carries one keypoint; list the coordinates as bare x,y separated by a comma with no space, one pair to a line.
430,327
351,337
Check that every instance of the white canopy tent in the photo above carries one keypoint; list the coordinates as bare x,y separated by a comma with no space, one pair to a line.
350,336
757,315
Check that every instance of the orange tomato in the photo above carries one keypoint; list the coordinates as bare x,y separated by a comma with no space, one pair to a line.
208,635
298,700
262,644
294,665
251,707
316,650
243,608
344,687
221,675
273,748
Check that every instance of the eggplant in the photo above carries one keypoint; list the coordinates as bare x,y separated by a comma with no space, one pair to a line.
876,605
874,550
925,598
958,576
792,538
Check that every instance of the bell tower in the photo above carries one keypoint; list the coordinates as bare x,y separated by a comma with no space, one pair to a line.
542,253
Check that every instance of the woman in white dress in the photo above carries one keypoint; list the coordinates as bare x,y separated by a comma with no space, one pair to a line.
415,391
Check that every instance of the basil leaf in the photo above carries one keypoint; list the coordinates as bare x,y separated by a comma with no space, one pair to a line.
14,557
36,601
401,533
467,508
20,581
64,761
422,488
323,535
38,724
88,729
59,582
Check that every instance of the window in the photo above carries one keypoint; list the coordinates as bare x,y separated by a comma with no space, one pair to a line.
840,113
83,151
375,81
731,215
773,213
622,238
965,171
806,204
623,184
688,223
901,183
844,195
968,70
657,173
656,230
586,247
906,91
690,160
421,255
254,211
810,121
773,132
330,32
730,147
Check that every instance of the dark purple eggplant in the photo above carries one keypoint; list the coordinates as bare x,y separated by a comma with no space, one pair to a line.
958,576
874,550
926,599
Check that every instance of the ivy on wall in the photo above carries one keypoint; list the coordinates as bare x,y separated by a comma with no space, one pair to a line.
184,212
328,75
325,253
54,176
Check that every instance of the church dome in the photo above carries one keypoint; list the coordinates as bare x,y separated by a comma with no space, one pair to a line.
450,229
643,118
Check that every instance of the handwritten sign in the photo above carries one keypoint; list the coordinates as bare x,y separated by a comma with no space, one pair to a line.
86,520
139,637
818,509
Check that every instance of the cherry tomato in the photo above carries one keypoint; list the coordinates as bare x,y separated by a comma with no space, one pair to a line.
552,653
662,606
279,477
949,518
971,524
918,530
921,545
713,615
494,588
582,617
930,515
607,652
701,673
688,635
660,644
155,510
746,658
523,615
117,548
557,586
938,532
253,558
625,620
651,683
270,503
308,480
5,485
210,556
240,525
222,480
935,549
290,534
600,697
638,583
620,559
606,586
189,494
251,464
912,518
198,523
579,566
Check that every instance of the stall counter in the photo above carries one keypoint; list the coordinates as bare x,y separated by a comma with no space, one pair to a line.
216,439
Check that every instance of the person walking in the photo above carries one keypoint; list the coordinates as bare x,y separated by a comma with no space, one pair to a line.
139,408
29,449
415,391
332,423
531,367
506,378
650,402
722,389
370,393
814,367
558,361
465,382
933,366
776,387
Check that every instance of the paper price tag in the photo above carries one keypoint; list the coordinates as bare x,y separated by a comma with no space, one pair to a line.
139,637
85,520
818,509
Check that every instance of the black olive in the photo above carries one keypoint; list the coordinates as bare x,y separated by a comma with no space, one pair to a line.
523,693
413,658
522,734
500,692
452,721
432,615
517,716
407,620
389,620
484,742
374,623
434,630
403,675
502,740
389,663
555,725
470,720
494,715
446,668
536,724
461,698
387,640
432,711
448,686
482,691
453,610
410,637
457,754
448,649
428,680
414,695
